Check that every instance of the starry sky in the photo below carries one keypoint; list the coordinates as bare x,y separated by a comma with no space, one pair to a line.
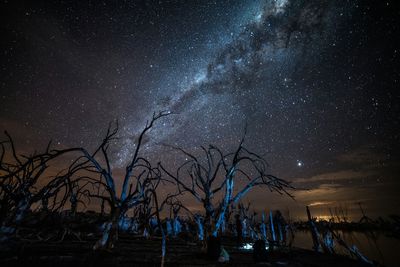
315,81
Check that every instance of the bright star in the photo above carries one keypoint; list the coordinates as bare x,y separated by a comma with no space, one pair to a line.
300,163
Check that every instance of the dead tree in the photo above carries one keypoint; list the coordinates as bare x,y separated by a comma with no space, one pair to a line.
157,208
314,231
204,177
139,175
364,218
23,183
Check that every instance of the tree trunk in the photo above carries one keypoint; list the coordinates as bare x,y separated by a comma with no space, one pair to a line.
200,227
74,205
22,207
314,231
45,205
110,232
102,208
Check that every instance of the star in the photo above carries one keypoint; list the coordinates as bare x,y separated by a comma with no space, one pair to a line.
300,163
294,72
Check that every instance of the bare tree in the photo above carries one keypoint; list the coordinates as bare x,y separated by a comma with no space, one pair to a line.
205,176
25,180
139,178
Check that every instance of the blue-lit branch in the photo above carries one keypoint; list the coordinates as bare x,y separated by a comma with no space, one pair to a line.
133,193
216,172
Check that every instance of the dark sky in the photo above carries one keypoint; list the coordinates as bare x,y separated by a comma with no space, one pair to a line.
317,83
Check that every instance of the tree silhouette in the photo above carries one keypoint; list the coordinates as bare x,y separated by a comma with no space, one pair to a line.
215,172
139,183
23,183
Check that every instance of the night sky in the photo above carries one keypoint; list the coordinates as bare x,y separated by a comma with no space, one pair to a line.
317,83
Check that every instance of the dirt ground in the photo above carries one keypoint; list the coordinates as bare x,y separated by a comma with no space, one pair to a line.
136,251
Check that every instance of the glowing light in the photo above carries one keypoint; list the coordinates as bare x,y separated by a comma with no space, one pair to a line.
249,246
323,218
300,163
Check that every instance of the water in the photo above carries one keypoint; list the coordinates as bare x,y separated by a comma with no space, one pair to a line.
385,249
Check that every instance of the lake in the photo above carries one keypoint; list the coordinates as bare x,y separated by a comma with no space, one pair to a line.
385,250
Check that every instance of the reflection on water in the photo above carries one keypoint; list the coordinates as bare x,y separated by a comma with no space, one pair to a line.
384,249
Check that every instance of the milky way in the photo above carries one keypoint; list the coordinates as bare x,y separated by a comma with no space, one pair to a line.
314,81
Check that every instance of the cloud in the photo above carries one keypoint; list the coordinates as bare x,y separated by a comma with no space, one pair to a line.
337,176
366,157
321,203
360,163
